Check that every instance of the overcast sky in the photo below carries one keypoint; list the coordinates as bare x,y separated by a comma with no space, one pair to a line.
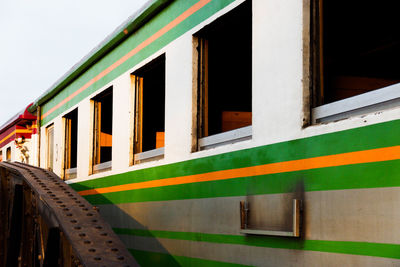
40,40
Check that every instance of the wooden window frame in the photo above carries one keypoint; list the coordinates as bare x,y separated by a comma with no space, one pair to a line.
96,132
138,127
8,155
138,155
203,86
96,165
68,172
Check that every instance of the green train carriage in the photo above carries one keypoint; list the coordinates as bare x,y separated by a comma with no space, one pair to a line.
223,132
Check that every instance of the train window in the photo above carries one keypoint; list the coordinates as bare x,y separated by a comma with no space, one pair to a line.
8,154
50,147
1,155
71,144
102,131
353,56
149,84
224,75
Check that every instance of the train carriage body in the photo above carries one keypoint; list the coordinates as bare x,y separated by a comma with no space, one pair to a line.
16,138
232,132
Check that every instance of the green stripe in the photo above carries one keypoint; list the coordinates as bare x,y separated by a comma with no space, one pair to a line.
364,138
171,12
146,258
383,250
369,175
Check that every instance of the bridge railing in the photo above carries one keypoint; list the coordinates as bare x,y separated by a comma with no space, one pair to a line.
46,223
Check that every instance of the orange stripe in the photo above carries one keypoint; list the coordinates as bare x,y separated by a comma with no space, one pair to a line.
14,132
8,136
373,155
23,131
133,52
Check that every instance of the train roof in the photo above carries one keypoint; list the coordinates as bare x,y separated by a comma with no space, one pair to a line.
129,26
20,116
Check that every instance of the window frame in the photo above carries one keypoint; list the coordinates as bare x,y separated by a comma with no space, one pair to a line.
8,155
201,139
137,84
68,172
375,100
95,165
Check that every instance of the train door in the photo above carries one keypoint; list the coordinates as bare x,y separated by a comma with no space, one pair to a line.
50,147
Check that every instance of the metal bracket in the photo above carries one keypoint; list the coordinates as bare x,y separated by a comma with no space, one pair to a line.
46,222
244,222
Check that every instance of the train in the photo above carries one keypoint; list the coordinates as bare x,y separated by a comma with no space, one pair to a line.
233,133
16,135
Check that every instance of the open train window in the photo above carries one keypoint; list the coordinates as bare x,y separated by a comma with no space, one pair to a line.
71,144
102,131
50,147
8,154
356,50
224,78
149,85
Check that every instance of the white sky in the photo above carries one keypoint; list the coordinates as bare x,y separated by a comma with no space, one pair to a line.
40,40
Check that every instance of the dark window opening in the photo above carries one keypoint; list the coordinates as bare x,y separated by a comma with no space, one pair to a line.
224,72
356,48
8,154
103,116
149,106
71,142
